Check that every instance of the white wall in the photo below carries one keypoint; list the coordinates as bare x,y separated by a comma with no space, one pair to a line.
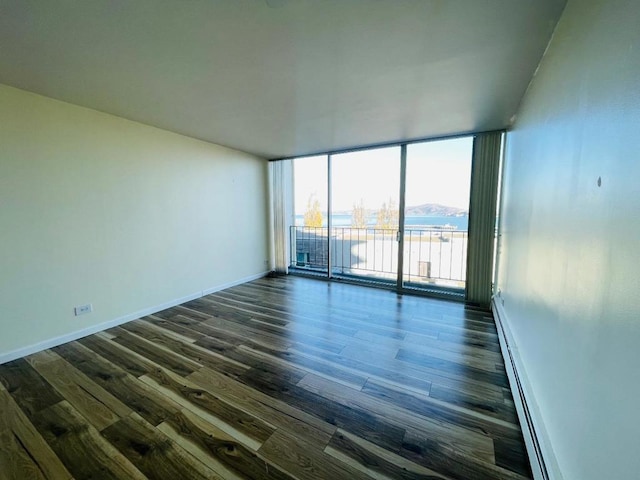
97,209
570,253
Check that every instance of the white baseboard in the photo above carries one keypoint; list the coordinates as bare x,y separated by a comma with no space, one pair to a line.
69,337
543,461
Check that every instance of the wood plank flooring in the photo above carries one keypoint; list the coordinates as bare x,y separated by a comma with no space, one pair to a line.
280,378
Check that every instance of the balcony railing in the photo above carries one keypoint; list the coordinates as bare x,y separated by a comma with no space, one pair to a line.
436,256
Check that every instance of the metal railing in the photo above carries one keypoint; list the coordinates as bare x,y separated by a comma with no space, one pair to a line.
431,255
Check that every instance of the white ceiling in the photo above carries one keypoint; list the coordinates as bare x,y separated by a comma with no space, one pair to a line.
282,78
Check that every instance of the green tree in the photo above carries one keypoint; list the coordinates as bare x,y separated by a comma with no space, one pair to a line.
388,215
313,215
359,215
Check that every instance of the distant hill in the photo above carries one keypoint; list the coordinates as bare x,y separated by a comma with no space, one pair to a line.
435,210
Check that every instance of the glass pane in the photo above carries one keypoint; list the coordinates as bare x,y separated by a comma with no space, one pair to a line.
364,220
437,212
309,236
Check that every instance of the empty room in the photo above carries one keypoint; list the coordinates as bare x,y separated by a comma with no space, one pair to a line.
319,239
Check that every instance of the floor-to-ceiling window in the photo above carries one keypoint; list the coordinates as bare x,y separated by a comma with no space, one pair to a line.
438,179
365,189
309,233
397,215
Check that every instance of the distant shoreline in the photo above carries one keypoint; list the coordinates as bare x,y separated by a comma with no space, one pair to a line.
459,222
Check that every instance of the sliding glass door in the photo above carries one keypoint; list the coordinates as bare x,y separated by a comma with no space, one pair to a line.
438,179
396,215
365,187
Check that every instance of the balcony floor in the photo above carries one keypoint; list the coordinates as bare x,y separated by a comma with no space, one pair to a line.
282,378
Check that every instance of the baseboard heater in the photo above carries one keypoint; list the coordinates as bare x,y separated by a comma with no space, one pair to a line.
534,449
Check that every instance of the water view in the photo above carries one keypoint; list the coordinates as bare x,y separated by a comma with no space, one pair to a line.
412,222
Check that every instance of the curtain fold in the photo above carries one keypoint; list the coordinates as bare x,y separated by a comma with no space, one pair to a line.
482,217
281,206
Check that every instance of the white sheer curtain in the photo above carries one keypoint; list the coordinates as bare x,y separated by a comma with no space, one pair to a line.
281,200
482,217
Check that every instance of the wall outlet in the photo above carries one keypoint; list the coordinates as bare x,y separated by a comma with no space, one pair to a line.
82,309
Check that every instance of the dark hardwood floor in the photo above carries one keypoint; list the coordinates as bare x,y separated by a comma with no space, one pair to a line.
278,378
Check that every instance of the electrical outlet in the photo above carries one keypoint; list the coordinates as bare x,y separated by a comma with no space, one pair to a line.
82,309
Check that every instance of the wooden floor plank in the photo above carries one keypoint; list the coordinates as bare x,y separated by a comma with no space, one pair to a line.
138,396
279,378
117,354
15,461
152,452
276,412
456,368
376,368
155,352
438,344
27,387
359,421
15,423
218,450
304,461
375,461
178,324
79,445
195,352
305,365
511,454
233,420
477,401
473,444
420,449
454,377
451,412
95,404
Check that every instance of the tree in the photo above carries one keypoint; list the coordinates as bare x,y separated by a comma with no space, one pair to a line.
313,215
359,215
388,215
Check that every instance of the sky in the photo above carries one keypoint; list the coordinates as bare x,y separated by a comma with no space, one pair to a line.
437,172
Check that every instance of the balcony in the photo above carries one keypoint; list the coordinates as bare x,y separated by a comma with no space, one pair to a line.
433,257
